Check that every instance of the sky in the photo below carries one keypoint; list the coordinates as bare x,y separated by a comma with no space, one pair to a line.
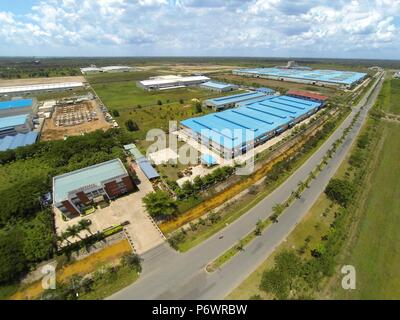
259,28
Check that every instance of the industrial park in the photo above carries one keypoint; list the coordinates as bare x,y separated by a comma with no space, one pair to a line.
208,157
222,122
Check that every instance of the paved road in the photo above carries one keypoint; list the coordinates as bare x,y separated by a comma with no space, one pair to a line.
171,275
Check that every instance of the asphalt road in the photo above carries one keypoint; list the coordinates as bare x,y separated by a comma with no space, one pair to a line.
168,274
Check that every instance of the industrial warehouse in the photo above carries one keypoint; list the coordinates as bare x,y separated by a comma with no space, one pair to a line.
74,191
232,132
28,89
171,82
94,69
16,123
218,86
18,107
342,79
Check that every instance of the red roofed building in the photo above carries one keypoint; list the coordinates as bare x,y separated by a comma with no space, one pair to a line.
307,95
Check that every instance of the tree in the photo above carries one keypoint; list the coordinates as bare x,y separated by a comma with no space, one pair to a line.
132,260
85,224
258,229
275,282
278,208
159,102
115,113
160,205
131,125
181,101
197,107
13,261
39,239
340,190
73,231
281,279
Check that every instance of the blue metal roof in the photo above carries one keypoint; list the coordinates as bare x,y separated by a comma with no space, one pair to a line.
12,121
235,127
216,85
208,159
147,168
22,103
19,140
332,76
235,98
93,175
265,90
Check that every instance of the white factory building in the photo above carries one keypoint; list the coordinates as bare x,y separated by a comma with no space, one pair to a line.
109,69
34,88
171,82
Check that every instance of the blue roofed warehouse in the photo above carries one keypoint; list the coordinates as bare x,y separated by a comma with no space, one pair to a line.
233,131
18,107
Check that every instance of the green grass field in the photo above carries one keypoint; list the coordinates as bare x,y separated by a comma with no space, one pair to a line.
119,91
395,96
376,253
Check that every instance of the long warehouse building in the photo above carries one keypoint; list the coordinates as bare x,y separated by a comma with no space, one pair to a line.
28,89
334,78
18,107
232,132
171,82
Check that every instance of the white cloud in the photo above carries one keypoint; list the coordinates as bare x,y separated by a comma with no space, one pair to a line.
246,27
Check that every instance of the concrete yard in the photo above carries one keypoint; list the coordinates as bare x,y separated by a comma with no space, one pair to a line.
163,156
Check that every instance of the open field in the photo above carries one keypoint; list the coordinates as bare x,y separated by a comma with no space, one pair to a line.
51,131
119,91
375,252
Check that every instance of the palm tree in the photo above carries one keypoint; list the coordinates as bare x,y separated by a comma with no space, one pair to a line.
65,235
60,239
277,210
84,224
302,185
297,194
73,231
